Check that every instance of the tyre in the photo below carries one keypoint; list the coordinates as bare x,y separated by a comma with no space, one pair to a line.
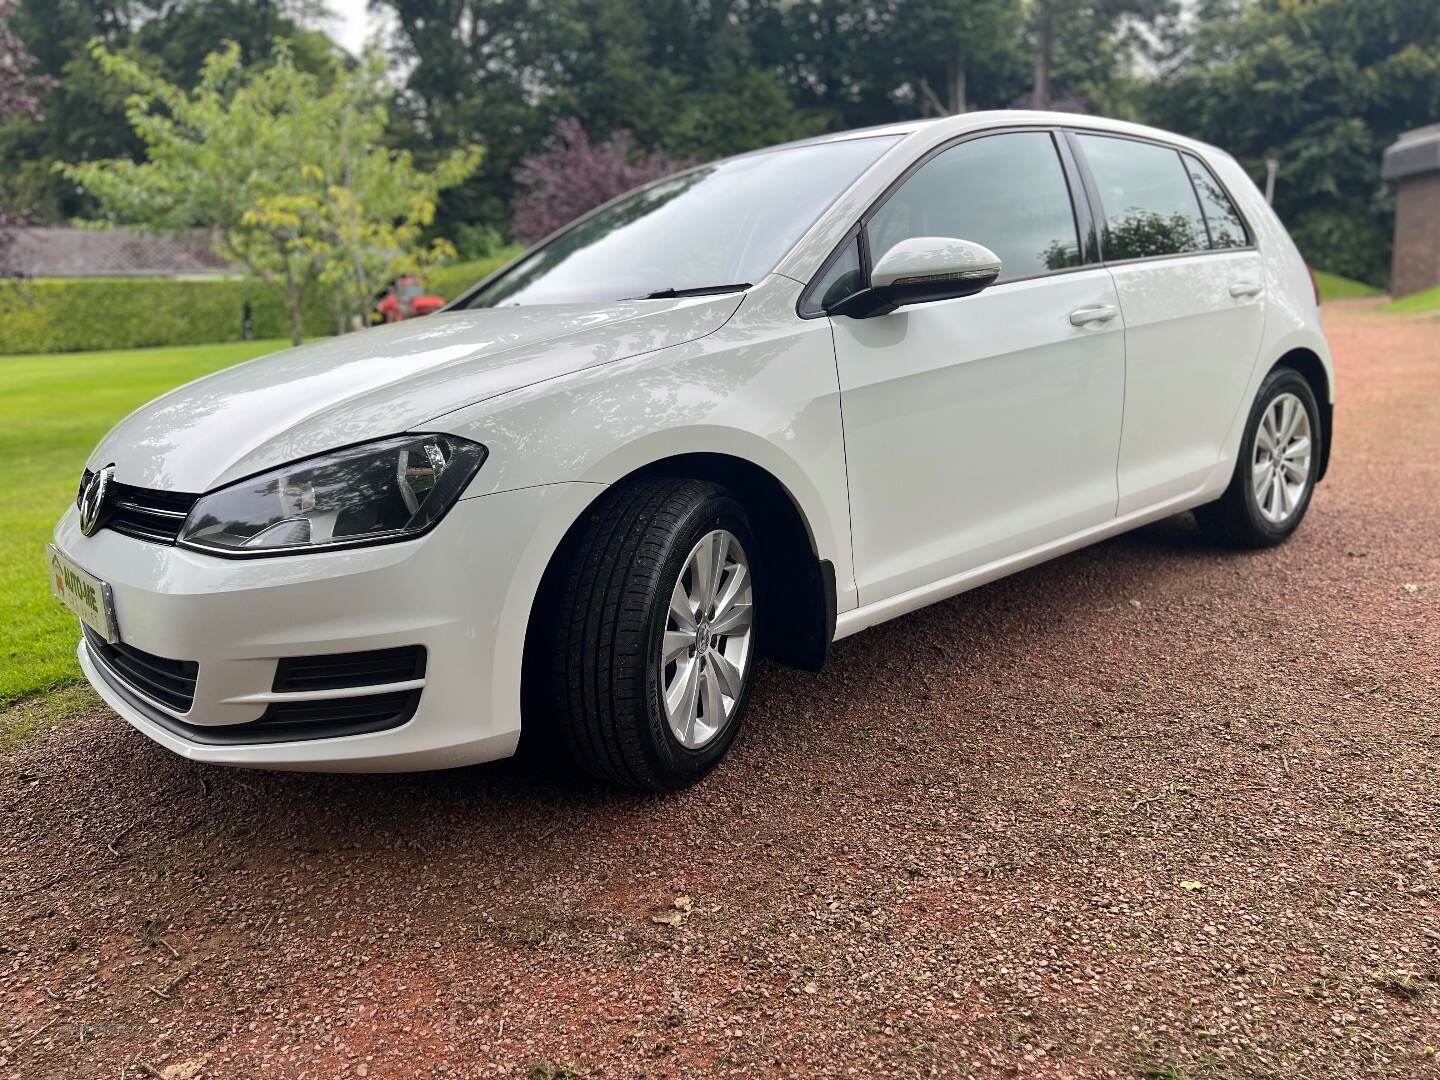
1275,470
652,642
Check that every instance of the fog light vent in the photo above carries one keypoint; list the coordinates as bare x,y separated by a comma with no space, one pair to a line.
343,671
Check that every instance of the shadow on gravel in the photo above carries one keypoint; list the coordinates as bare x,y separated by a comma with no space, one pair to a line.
151,801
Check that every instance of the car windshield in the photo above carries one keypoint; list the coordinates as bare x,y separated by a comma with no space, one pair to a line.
725,224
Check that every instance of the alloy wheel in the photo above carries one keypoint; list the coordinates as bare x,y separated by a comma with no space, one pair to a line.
1281,461
705,652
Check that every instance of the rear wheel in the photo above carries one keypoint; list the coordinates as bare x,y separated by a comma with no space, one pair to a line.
1275,470
652,641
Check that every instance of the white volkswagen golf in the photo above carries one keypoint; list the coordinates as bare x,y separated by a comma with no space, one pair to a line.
746,410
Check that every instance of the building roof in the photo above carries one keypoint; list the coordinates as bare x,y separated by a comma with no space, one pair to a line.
44,252
1416,152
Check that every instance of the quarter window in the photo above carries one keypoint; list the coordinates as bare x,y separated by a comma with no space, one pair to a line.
843,278
1007,192
1149,203
1226,228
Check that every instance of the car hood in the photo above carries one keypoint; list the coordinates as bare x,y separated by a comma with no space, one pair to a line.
378,382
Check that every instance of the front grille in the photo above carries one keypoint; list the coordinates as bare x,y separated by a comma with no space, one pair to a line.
169,682
145,514
339,671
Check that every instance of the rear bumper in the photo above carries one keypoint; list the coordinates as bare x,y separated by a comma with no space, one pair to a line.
463,592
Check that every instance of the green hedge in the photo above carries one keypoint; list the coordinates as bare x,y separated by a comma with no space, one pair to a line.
451,281
81,314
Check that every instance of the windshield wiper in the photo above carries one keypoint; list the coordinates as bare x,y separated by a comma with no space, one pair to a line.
704,290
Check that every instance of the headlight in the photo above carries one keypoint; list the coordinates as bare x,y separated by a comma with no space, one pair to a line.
393,489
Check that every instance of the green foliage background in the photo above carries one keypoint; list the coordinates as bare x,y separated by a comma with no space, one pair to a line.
66,315
1323,86
128,313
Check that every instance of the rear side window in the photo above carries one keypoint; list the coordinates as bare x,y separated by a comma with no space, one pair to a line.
1149,202
1007,192
1226,228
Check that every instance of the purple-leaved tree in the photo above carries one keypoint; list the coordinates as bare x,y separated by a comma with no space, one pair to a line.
573,175
19,99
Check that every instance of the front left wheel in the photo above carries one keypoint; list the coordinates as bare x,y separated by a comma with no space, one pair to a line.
651,643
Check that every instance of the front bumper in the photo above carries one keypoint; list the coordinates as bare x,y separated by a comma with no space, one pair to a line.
463,592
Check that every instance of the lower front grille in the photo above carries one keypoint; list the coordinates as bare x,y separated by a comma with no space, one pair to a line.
170,683
287,721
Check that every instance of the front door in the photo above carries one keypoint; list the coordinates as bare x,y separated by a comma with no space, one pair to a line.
981,427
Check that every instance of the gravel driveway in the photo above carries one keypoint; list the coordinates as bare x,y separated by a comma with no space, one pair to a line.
1152,810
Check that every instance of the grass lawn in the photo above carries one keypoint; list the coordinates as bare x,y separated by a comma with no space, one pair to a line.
1420,303
53,410
1335,287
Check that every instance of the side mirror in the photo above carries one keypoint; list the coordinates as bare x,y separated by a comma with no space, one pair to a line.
919,271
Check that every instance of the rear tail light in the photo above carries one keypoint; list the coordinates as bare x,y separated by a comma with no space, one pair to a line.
1314,285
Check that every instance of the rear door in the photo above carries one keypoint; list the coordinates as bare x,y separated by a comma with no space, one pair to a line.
1191,289
980,427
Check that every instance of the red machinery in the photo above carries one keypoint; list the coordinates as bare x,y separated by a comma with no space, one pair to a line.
406,299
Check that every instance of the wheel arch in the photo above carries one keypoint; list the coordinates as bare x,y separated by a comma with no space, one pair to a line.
799,602
1312,369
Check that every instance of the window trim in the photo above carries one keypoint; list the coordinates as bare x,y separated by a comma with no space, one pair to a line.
1244,224
1072,134
1081,211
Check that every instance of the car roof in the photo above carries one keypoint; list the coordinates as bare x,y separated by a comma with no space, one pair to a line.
946,126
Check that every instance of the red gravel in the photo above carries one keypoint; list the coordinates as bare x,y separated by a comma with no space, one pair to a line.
1151,807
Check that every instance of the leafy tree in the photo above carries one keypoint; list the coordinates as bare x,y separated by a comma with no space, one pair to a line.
85,109
572,175
281,165
861,62
1083,41
19,90
676,74
1322,86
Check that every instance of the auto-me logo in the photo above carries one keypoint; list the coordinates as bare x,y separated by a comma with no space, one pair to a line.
75,585
92,500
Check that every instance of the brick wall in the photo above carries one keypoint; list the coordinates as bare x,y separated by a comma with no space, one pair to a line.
1417,234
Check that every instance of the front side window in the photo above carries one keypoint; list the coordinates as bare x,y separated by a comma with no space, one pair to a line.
1226,228
1007,192
723,224
1149,202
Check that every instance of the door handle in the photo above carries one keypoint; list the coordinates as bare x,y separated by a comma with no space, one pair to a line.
1098,313
1245,288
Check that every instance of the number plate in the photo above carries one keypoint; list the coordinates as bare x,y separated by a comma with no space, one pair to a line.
84,594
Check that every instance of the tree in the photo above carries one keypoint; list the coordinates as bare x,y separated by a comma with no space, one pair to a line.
677,75
282,165
85,110
1087,36
572,175
19,90
1323,87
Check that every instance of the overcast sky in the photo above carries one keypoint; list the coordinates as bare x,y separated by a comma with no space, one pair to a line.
352,23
